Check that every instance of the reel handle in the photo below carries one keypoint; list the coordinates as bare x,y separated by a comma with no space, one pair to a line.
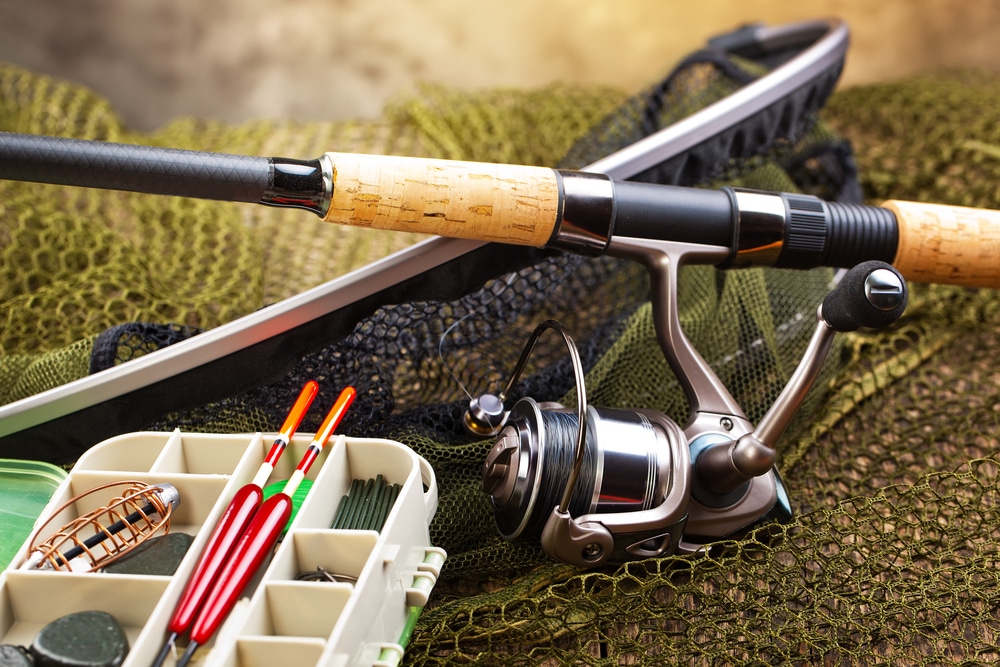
872,294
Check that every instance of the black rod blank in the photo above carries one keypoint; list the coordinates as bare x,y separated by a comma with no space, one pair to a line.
148,169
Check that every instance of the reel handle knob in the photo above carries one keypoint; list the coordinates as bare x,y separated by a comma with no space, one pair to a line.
873,294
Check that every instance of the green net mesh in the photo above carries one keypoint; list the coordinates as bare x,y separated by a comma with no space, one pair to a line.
892,554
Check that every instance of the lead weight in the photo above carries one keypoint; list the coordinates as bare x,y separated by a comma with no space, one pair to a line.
83,639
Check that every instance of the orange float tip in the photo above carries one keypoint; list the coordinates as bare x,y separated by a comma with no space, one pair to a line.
299,409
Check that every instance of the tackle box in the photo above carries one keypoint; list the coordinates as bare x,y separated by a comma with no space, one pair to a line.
283,620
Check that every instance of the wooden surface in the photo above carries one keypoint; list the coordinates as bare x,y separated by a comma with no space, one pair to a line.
469,200
947,244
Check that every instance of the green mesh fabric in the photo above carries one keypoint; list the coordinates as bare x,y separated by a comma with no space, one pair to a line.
891,557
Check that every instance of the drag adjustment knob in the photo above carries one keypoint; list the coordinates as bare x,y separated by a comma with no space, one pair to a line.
873,294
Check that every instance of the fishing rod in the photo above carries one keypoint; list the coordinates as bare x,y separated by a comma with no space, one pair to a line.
802,60
573,211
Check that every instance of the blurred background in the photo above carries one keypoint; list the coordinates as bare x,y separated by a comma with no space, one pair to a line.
334,59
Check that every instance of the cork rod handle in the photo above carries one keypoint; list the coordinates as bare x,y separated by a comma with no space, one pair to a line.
954,245
470,200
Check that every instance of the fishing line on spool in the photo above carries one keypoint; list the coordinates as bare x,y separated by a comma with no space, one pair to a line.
558,439
538,480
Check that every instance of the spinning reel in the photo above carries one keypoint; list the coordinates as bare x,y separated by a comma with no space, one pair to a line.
601,486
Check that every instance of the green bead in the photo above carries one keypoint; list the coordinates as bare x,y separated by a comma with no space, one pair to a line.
297,498
84,639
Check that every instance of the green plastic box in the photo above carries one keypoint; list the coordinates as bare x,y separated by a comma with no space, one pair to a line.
25,489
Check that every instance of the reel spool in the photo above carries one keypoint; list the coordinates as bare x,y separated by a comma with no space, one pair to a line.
616,480
634,464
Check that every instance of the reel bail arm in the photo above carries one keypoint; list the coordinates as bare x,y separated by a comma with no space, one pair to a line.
563,538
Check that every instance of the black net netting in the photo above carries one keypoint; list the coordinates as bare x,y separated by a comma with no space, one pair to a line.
890,557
